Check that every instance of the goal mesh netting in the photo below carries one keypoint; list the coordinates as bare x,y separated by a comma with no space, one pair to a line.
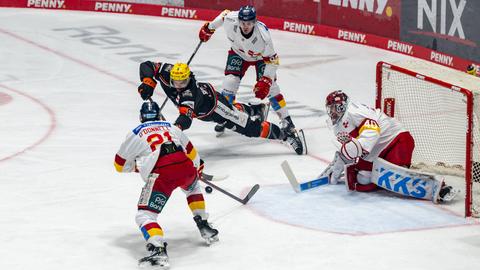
440,108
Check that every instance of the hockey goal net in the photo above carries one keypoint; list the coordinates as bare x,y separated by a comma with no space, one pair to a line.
440,108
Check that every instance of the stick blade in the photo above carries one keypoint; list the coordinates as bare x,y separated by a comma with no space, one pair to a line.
290,176
250,194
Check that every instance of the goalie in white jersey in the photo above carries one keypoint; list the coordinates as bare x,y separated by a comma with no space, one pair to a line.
368,137
251,45
166,159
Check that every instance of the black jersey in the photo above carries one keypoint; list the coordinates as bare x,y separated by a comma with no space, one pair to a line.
197,100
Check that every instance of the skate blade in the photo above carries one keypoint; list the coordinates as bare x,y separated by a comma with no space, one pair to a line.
219,134
149,265
211,240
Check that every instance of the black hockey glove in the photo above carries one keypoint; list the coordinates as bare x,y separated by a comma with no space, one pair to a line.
146,88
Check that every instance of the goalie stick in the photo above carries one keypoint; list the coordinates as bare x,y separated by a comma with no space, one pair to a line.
245,200
299,187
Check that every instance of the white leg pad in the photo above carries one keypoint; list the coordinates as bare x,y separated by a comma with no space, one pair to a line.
406,182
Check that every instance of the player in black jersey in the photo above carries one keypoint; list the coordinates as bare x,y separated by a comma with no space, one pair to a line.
200,100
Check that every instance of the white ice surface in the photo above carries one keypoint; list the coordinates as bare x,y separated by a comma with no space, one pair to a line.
66,103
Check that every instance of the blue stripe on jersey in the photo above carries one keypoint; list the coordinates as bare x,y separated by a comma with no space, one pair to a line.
147,124
261,23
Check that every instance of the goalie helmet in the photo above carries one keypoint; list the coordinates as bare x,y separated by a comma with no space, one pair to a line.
247,13
336,105
150,112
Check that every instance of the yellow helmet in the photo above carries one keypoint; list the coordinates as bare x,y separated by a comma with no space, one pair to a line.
471,70
180,72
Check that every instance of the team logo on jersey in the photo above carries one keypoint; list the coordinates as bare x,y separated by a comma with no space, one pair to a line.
253,54
157,201
345,124
187,93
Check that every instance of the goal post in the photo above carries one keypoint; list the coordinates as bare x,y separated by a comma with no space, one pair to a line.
440,108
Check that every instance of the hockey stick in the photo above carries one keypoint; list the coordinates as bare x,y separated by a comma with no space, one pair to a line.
188,63
299,187
250,194
194,52
214,178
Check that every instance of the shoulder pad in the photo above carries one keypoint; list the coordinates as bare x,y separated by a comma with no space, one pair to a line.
231,16
264,33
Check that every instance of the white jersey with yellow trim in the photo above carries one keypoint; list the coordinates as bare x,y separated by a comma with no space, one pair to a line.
257,47
371,127
141,148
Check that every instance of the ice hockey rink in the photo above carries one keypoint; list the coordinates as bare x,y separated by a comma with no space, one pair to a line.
68,97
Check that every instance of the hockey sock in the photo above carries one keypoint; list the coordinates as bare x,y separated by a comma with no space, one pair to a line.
196,203
151,231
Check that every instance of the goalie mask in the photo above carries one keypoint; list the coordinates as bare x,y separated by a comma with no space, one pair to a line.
336,105
150,112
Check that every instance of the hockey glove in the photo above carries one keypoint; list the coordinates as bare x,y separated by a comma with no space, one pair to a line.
262,87
146,88
205,33
351,148
337,169
200,168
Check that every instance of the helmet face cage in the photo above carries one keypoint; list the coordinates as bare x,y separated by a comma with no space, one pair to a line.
150,112
336,105
180,75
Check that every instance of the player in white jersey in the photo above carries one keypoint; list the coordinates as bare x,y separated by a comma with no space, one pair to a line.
251,45
165,159
365,134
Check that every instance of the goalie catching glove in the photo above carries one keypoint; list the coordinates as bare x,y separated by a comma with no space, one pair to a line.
262,87
205,33
146,88
351,148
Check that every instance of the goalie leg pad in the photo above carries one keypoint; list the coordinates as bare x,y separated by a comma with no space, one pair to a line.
405,181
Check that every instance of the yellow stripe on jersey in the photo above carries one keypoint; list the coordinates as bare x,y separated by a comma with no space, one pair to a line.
191,151
118,167
193,154
369,125
119,162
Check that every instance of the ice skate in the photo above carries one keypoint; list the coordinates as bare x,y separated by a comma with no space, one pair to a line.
448,193
220,129
158,258
206,231
291,136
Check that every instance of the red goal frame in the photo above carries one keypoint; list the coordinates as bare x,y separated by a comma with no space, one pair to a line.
469,111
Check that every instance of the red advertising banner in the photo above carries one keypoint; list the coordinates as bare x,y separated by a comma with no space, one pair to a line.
379,17
300,10
298,26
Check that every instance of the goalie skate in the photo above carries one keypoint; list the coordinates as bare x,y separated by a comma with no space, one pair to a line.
448,193
208,233
158,258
